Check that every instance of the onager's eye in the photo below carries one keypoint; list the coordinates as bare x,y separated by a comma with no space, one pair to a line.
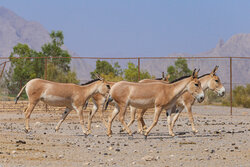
196,85
217,81
108,86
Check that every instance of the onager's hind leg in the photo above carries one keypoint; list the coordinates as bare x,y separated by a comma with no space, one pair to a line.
63,117
27,113
141,124
121,118
114,113
156,118
132,117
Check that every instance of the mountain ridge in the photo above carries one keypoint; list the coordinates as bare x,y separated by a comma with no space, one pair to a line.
15,29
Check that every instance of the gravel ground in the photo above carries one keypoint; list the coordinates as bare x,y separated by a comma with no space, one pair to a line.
222,140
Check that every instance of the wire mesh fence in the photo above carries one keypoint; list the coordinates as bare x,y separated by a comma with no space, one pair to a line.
233,71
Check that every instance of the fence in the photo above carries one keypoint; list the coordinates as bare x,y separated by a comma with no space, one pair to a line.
233,71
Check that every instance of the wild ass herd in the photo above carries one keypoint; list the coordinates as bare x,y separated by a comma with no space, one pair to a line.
158,94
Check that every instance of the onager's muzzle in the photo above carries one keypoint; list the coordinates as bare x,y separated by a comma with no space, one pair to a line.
200,97
221,91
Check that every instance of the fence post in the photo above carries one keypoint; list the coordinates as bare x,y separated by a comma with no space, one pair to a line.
45,77
231,88
2,70
139,71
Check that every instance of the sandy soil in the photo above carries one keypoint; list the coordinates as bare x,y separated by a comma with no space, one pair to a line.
222,140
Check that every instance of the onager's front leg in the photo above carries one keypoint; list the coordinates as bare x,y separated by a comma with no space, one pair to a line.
91,115
169,120
80,114
176,116
63,117
190,116
132,117
156,118
121,118
141,124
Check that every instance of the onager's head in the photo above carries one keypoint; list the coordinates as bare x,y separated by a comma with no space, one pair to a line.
194,87
103,87
215,84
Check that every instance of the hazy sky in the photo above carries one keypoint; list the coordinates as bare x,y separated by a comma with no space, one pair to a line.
129,28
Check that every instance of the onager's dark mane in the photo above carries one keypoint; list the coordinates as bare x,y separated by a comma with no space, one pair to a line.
203,75
159,78
181,78
89,82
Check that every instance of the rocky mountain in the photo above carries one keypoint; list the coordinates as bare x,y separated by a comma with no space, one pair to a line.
14,29
237,46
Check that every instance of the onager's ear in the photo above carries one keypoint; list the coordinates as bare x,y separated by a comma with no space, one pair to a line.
193,74
196,73
162,75
214,70
167,78
99,77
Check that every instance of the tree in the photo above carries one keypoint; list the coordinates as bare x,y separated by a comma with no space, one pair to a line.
104,68
131,73
24,69
53,49
180,69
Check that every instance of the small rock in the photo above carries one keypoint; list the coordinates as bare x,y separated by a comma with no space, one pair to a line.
149,158
117,150
61,156
87,163
38,124
13,152
21,141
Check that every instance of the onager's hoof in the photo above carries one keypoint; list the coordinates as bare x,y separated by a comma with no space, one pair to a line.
89,132
195,131
145,137
172,134
122,130
85,135
130,137
26,130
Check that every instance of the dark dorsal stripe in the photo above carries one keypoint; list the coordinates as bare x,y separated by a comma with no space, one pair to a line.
158,78
203,75
181,78
89,82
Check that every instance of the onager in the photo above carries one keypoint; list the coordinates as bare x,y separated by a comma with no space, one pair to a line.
148,95
141,123
208,81
68,95
99,100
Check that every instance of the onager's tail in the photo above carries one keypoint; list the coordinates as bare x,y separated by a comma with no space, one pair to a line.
19,94
106,103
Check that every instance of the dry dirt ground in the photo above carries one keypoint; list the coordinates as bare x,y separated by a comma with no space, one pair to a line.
222,140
